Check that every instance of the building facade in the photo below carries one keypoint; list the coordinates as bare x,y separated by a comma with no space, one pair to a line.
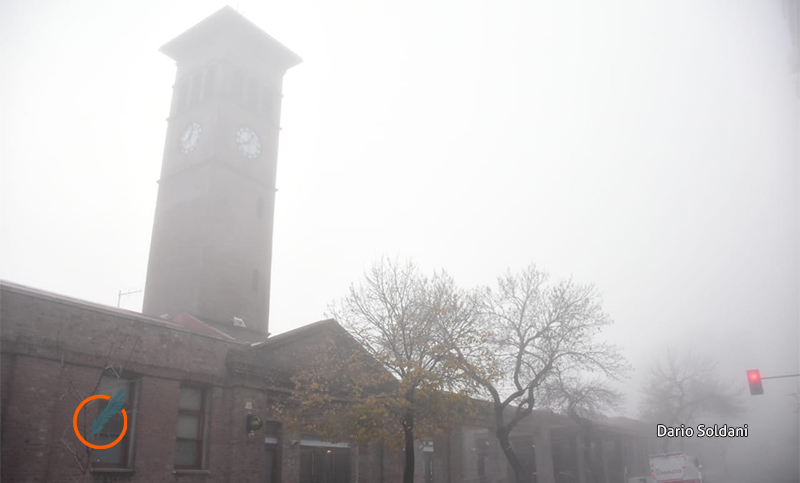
199,362
189,395
191,388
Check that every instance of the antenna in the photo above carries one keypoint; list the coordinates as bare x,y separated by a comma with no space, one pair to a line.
122,294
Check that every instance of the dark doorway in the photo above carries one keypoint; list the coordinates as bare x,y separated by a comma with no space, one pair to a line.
272,452
428,459
272,465
324,465
523,445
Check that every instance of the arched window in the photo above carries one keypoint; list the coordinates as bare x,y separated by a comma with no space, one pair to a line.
266,106
197,88
252,93
181,96
211,74
237,86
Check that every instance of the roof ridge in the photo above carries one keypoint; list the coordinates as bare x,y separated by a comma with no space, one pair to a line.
108,309
290,335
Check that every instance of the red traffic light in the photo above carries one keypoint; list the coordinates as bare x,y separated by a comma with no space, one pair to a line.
754,380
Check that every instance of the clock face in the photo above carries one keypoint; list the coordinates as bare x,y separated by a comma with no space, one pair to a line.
249,144
189,137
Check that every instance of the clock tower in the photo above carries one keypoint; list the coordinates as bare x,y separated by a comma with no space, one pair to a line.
211,248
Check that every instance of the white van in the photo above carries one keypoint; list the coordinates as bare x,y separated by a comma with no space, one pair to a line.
677,467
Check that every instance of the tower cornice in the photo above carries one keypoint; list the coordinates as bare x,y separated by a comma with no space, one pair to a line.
229,25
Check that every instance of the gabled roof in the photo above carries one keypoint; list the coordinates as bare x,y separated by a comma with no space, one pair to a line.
299,333
633,426
228,25
275,360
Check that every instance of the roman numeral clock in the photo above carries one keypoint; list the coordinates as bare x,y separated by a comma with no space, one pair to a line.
211,249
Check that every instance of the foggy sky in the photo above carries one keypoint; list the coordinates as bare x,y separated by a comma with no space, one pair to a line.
648,147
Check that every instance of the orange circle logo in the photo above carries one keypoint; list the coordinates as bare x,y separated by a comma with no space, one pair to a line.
78,434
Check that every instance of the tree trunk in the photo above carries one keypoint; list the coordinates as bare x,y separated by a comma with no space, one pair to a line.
408,432
521,473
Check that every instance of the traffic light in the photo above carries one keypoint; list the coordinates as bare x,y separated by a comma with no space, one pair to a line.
754,380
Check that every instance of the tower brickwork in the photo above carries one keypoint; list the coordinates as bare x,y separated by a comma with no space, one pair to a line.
211,248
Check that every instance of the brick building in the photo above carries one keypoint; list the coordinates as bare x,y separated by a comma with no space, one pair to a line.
200,358
186,375
189,395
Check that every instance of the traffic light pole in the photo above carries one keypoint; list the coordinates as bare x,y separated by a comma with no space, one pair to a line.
754,380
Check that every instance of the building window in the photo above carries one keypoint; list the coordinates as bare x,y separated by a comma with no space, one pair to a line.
121,454
211,74
427,457
237,86
526,453
266,102
197,88
181,96
272,450
192,411
252,94
482,456
324,464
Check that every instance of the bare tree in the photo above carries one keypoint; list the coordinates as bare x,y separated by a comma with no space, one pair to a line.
580,398
680,389
522,335
391,313
585,401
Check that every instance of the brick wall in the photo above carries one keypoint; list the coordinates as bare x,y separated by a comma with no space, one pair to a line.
30,416
52,344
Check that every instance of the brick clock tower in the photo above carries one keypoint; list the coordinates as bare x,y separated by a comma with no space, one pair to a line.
211,249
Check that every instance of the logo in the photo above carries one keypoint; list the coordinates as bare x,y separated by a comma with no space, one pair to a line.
114,406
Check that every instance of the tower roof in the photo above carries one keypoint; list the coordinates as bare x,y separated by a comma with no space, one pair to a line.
228,25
